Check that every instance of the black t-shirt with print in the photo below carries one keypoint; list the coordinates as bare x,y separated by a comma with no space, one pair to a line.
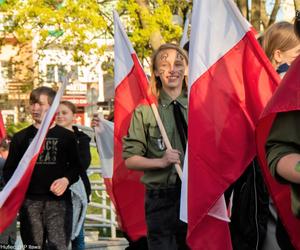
59,158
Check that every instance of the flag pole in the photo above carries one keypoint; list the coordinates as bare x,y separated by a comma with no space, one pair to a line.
165,136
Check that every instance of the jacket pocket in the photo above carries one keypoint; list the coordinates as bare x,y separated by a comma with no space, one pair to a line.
155,139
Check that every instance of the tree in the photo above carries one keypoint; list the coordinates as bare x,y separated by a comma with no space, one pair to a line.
152,22
297,4
255,11
73,24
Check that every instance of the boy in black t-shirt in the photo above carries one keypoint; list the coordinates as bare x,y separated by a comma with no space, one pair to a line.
46,213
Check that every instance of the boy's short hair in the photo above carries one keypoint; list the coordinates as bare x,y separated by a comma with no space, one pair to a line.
36,93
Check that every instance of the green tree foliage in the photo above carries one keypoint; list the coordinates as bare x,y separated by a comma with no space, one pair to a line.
150,23
73,24
14,128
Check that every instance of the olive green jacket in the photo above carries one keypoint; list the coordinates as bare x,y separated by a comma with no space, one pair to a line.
284,139
144,139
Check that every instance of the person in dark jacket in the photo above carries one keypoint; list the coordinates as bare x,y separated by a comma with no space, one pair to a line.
65,117
46,213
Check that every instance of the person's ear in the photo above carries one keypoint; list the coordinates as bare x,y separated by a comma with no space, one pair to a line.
277,56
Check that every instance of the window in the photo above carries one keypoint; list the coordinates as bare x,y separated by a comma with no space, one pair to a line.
6,69
50,73
74,70
61,72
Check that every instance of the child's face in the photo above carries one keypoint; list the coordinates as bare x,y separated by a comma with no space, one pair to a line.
39,108
64,116
170,67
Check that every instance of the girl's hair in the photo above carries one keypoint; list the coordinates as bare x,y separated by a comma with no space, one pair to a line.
279,36
297,23
155,82
70,105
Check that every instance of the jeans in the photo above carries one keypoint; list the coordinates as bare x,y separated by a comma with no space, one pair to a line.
78,242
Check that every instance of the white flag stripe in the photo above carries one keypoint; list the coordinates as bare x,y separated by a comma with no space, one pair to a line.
123,50
184,189
104,134
34,146
219,210
216,34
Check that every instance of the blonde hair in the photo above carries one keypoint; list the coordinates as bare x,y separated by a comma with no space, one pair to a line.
155,82
279,36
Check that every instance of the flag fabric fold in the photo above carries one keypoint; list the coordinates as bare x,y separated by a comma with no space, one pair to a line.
13,194
230,82
104,135
286,98
131,88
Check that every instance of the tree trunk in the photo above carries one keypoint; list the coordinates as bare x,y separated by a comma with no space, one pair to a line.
274,12
156,38
255,14
243,6
297,4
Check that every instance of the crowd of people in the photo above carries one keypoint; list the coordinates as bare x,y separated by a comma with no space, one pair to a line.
52,214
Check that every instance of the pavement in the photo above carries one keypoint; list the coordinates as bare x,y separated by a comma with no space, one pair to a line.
109,244
92,241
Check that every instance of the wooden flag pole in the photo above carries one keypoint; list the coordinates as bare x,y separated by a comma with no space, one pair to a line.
165,136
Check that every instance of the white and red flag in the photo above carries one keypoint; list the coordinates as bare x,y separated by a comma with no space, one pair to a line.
285,99
131,88
2,128
104,135
13,194
230,82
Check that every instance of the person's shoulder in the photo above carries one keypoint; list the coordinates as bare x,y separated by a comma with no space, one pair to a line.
143,108
80,134
63,131
22,133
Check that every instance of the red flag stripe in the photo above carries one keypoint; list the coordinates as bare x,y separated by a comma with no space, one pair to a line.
12,204
130,91
2,128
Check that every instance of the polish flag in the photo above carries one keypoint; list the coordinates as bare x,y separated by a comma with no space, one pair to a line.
230,82
12,196
104,135
131,86
2,128
286,98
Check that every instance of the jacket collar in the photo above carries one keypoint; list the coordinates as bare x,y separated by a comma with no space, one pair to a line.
166,100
